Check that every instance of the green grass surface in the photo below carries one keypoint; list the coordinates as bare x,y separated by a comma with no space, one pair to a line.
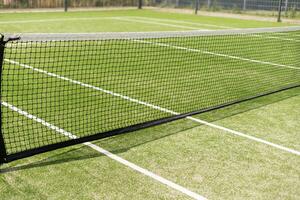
100,22
211,162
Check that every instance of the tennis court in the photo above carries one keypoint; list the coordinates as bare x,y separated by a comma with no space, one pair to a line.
59,87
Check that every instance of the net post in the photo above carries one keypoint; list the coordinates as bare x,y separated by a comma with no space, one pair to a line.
66,5
196,6
279,11
3,154
140,4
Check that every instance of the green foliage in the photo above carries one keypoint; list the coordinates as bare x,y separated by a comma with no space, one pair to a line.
215,6
24,4
204,7
236,9
292,12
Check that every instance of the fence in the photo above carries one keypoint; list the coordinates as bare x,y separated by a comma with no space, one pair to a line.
229,4
209,4
70,3
291,8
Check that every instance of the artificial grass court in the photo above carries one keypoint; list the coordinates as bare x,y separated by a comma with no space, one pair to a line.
208,161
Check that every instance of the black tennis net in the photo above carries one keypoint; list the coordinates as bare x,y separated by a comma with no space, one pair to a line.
63,89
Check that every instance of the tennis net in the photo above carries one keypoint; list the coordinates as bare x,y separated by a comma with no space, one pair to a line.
63,89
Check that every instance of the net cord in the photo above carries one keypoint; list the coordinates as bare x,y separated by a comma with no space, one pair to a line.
143,35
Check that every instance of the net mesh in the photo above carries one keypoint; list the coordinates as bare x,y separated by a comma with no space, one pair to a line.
54,85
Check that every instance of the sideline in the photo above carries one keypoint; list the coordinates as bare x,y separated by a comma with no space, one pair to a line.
108,154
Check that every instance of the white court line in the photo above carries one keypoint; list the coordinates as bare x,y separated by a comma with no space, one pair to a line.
90,86
181,21
292,35
55,20
216,54
200,24
160,108
123,18
148,21
277,38
109,154
156,23
246,136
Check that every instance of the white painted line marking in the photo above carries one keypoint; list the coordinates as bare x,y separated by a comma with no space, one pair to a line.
148,173
273,37
48,20
246,136
56,20
182,22
89,86
147,19
109,154
161,109
216,54
121,18
289,34
155,23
